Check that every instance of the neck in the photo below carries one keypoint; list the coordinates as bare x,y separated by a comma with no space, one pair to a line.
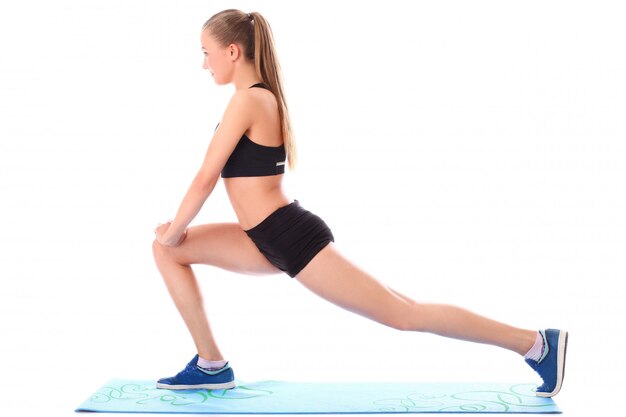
245,77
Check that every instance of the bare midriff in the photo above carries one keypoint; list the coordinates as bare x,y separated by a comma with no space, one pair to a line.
255,198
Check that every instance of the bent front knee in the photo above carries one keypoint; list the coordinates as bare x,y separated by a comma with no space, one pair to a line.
155,246
159,251
166,253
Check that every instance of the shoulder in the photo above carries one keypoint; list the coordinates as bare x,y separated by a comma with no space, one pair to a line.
248,100
241,105
242,99
256,97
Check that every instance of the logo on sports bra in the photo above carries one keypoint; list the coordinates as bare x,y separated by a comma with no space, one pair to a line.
280,163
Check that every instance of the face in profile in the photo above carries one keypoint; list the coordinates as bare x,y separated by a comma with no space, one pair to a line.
218,59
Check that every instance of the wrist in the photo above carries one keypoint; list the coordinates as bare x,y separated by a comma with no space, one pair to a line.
174,231
173,238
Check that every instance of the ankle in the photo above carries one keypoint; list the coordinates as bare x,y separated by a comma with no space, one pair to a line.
536,350
527,342
210,364
211,358
210,355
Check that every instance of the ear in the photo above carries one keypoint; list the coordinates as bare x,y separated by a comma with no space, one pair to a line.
233,51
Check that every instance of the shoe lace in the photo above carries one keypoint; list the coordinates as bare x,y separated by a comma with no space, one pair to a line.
188,369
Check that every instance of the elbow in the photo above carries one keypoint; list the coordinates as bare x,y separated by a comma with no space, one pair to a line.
205,183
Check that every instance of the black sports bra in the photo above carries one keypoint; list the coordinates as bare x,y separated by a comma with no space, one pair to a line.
250,159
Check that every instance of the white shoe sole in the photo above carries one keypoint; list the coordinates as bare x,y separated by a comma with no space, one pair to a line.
560,363
224,385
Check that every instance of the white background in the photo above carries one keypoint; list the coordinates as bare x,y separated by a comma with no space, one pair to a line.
469,153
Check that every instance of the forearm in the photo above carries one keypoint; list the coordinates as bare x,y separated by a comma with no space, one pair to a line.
193,201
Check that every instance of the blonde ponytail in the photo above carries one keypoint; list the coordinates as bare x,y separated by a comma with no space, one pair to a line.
254,34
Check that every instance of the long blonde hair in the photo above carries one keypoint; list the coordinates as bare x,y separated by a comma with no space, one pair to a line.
253,33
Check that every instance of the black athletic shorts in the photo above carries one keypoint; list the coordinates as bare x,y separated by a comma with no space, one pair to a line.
290,237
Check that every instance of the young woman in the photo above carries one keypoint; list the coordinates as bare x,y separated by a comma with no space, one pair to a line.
275,234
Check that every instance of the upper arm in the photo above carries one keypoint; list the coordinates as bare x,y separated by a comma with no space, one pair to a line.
235,122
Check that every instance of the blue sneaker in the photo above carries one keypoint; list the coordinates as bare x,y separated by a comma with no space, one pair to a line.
195,377
551,365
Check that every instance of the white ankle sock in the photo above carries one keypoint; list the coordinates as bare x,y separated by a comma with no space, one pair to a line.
203,363
535,352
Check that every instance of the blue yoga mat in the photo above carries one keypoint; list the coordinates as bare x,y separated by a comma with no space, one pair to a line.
282,397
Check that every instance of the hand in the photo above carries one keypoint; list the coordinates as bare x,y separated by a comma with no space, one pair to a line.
161,235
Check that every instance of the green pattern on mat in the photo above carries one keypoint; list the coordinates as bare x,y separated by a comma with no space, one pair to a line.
282,397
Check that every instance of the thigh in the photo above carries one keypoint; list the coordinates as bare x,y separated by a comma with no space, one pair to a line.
224,245
333,277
